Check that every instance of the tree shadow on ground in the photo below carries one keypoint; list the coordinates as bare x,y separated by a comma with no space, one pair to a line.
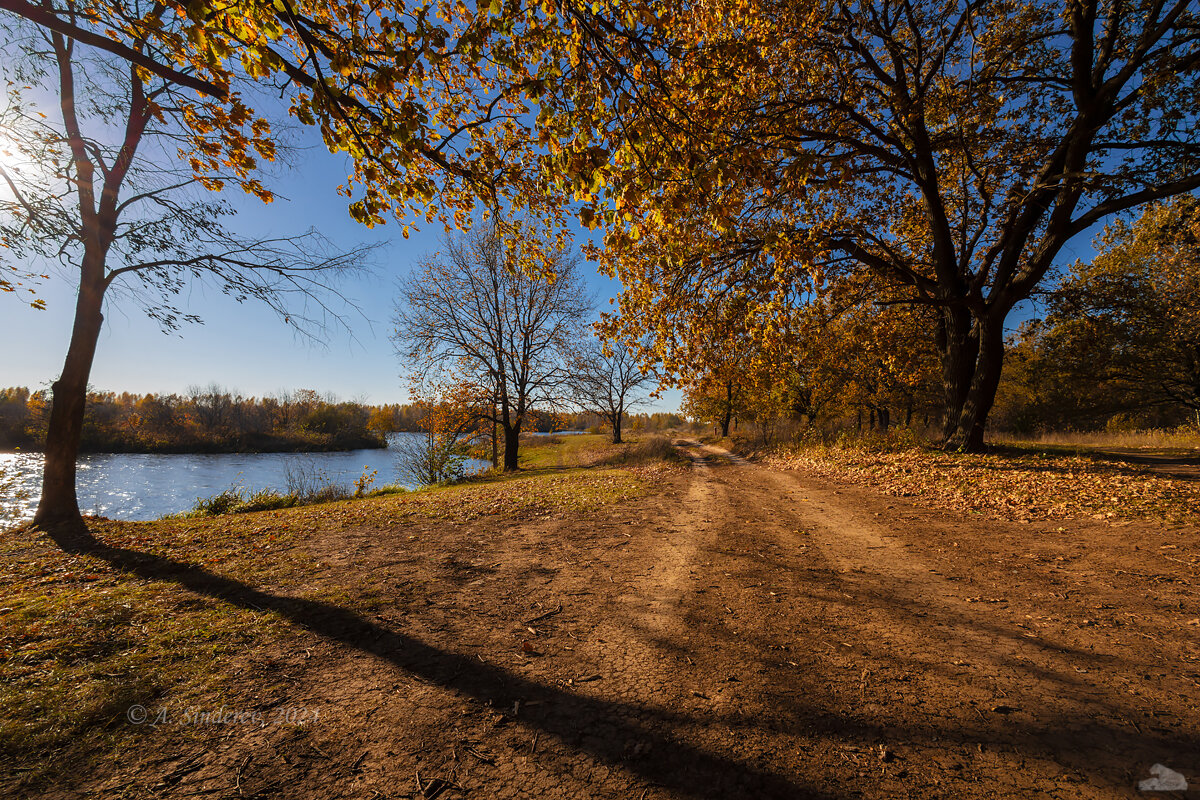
597,727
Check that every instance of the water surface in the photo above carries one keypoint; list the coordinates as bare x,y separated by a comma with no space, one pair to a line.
142,486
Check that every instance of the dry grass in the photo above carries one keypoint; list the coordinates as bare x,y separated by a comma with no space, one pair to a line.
1186,438
645,450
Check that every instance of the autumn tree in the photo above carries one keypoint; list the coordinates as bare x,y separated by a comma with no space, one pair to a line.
607,379
951,146
447,419
498,310
720,368
954,148
426,98
857,351
714,397
15,277
1137,305
1122,332
103,197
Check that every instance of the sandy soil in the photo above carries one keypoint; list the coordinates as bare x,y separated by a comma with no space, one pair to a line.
740,633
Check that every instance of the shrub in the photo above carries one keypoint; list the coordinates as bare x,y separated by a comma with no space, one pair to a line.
363,483
266,500
223,503
653,448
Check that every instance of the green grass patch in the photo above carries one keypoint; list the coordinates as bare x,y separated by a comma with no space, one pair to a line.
82,641
560,451
587,450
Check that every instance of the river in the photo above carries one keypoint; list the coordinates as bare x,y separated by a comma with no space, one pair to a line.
140,486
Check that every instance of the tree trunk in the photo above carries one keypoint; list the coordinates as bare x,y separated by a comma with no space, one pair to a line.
958,346
885,419
616,426
58,508
495,444
971,422
512,441
728,409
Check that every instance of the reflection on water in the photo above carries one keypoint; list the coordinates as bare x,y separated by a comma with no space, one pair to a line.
142,486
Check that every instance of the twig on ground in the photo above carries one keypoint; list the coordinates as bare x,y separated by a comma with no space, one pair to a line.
237,780
547,615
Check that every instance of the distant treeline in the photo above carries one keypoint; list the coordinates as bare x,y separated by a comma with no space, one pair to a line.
203,420
216,420
586,421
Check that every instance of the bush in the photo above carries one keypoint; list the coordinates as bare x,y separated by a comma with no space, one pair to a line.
653,448
267,500
223,503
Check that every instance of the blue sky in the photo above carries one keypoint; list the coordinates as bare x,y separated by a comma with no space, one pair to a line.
245,346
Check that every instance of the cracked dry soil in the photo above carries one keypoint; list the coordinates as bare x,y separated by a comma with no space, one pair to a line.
740,632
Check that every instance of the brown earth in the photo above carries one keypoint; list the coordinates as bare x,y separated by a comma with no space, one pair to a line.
741,632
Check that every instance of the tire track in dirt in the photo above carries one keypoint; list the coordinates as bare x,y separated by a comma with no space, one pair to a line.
690,530
739,632
1038,710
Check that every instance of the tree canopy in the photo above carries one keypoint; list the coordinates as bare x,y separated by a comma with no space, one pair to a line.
742,154
1121,333
953,148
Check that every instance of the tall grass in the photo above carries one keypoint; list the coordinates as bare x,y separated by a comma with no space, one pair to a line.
751,438
306,485
1165,439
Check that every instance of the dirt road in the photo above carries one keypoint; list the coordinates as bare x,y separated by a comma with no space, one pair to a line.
740,633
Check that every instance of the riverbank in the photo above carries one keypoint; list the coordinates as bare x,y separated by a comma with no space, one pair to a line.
139,486
604,624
